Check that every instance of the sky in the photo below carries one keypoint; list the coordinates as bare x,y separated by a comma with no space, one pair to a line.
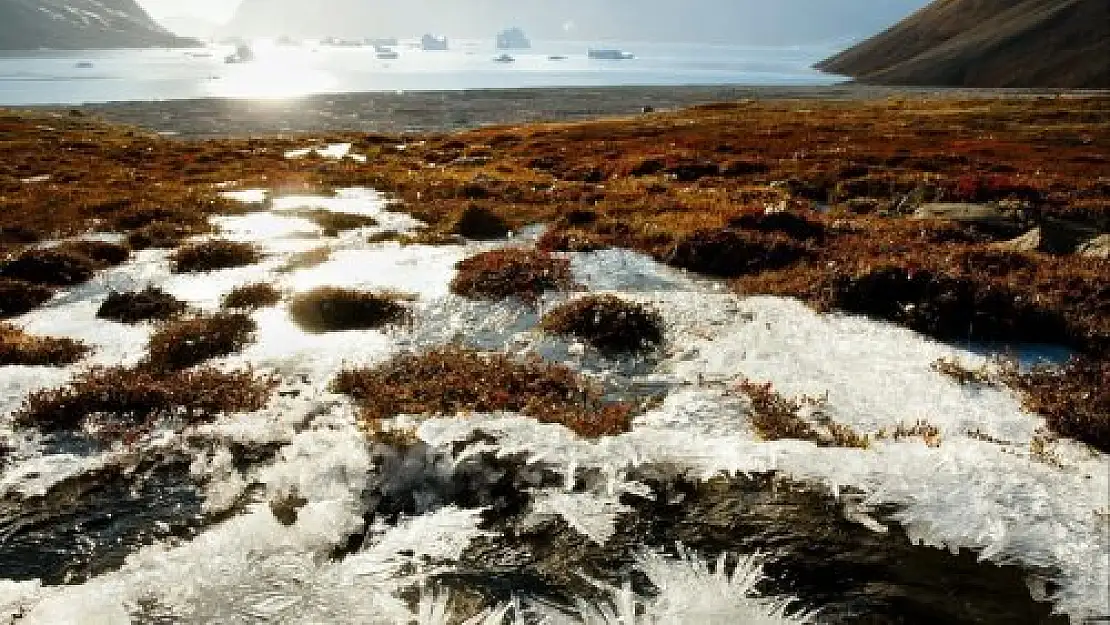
218,11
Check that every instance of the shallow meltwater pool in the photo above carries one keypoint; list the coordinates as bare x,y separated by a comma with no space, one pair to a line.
297,514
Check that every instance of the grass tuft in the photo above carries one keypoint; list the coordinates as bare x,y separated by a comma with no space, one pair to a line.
52,267
607,322
120,396
333,222
19,348
451,380
182,344
730,253
499,274
150,304
101,253
161,234
775,417
331,309
214,255
306,260
480,223
251,297
18,297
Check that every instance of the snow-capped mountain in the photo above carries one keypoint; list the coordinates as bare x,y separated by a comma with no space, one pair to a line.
78,24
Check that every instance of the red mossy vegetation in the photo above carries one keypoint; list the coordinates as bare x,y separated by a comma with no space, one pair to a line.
451,380
188,342
511,272
607,322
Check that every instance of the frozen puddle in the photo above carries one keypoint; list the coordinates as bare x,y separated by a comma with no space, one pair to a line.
300,520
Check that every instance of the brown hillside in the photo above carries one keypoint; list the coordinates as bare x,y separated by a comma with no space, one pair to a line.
989,43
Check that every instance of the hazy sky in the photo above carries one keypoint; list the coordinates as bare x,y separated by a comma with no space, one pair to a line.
218,11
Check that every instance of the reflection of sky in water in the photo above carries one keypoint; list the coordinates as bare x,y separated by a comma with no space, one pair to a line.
52,77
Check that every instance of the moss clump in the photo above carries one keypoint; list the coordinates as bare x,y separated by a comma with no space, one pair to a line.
306,260
333,222
607,322
943,306
18,297
1075,399
101,253
136,397
189,342
730,253
214,255
522,273
251,296
53,267
160,234
19,348
150,304
480,223
452,380
331,309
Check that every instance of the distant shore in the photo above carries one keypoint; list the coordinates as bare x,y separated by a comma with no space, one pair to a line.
443,111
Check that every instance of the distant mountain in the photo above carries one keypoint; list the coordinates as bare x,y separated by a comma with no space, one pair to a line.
989,43
81,24
190,26
756,22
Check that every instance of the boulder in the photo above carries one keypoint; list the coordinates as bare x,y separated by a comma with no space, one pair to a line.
1052,237
964,213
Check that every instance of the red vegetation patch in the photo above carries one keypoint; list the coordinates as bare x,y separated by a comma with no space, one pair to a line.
522,273
119,397
19,348
607,322
18,297
214,255
331,309
453,380
183,344
150,304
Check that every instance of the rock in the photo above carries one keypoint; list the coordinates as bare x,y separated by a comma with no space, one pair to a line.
1098,247
973,213
1054,236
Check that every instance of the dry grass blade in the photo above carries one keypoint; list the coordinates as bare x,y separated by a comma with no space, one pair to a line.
19,348
607,322
214,255
120,396
452,380
331,309
150,304
775,417
189,342
251,296
522,273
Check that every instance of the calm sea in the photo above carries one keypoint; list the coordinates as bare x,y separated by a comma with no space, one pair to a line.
57,77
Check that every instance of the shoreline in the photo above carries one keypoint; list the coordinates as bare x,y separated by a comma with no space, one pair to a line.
450,111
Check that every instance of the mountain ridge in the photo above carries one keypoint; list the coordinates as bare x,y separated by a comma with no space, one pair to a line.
81,24
988,43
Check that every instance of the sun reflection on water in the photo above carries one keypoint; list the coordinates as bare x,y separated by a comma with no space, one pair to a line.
275,73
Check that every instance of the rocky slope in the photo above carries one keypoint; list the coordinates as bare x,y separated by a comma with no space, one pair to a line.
989,43
81,24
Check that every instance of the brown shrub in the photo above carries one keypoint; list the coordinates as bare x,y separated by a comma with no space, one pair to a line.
19,348
607,322
793,225
498,274
1075,399
944,306
729,253
214,255
136,397
18,297
452,380
252,296
480,223
331,309
150,304
102,253
188,342
160,235
49,266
